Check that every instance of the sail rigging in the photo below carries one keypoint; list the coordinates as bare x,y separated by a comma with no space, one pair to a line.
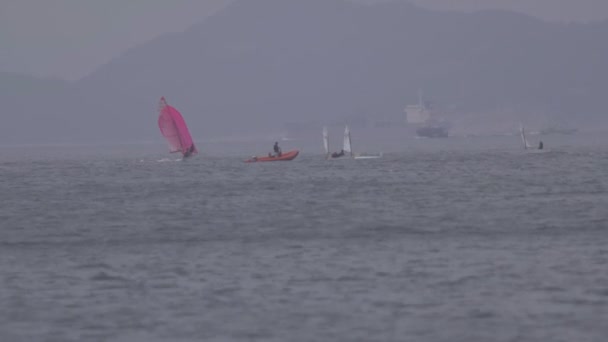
173,128
524,140
326,141
347,143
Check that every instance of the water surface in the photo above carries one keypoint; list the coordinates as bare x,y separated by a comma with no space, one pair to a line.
445,241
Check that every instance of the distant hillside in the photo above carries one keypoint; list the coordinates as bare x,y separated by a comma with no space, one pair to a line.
258,64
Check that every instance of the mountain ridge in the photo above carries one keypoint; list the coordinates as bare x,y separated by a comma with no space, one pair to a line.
253,67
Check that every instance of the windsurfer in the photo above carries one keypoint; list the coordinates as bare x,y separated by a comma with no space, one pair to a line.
173,128
541,145
338,155
277,149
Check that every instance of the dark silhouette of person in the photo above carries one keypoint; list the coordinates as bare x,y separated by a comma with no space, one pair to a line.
277,149
189,151
338,155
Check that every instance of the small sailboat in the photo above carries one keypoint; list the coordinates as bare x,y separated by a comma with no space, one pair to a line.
527,146
348,148
173,128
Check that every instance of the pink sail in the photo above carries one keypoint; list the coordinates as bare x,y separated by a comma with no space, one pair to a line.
174,129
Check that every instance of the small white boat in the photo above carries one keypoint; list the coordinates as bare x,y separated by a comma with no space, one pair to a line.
346,147
368,156
527,146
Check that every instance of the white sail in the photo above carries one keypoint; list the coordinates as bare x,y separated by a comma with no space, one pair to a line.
524,140
347,144
326,141
523,136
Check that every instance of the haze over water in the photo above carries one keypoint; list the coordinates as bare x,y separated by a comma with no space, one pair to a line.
440,240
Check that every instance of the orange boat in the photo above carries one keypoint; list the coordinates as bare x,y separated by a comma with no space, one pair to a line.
291,155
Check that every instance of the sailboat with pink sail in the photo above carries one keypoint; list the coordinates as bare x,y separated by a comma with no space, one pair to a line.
173,128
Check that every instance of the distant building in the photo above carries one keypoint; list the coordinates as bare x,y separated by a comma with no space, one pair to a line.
422,118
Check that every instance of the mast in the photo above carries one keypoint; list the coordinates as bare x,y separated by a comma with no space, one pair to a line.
326,141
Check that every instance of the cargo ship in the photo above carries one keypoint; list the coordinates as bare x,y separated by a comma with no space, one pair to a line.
423,118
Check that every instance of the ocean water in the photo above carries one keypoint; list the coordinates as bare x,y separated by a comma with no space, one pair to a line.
448,240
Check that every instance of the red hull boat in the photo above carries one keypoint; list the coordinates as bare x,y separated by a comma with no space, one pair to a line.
291,155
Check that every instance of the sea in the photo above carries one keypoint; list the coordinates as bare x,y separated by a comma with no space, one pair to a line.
458,239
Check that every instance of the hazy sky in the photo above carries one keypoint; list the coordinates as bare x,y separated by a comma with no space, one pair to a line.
554,10
70,38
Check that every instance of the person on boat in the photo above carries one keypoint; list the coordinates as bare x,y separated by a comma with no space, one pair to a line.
541,145
338,155
277,149
189,151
